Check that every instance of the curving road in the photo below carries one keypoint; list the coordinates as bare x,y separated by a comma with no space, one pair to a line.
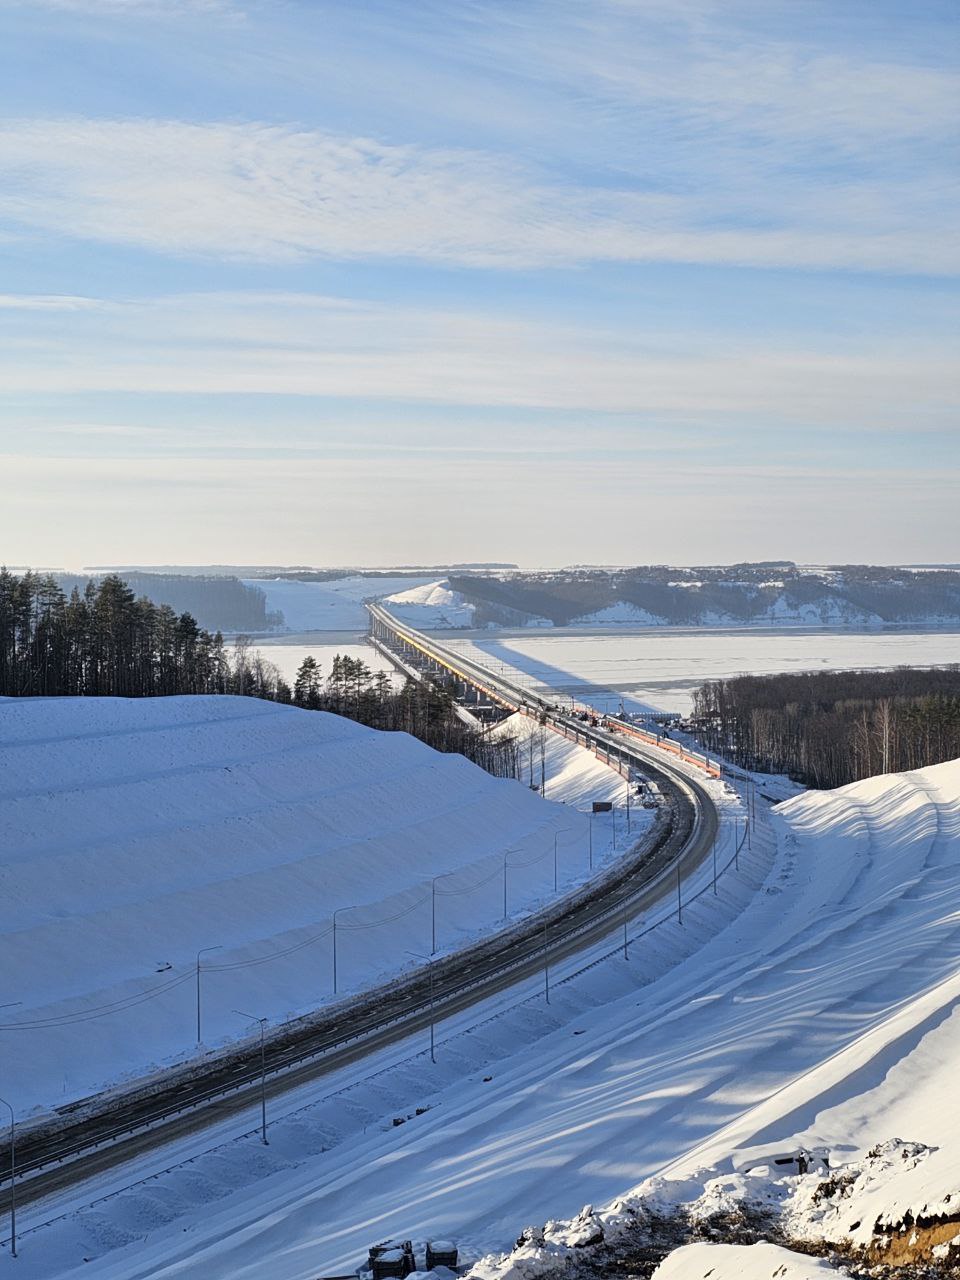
89,1140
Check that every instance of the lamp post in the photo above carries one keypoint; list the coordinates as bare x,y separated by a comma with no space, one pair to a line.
429,963
335,914
433,911
13,1175
591,839
201,952
263,1075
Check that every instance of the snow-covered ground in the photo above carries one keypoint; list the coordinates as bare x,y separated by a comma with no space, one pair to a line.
136,832
336,605
815,998
431,605
659,669
287,656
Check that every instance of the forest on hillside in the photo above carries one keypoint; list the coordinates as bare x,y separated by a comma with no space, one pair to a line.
105,641
828,728
218,602
732,595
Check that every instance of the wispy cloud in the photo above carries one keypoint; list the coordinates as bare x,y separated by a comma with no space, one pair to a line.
222,344
50,302
122,8
291,194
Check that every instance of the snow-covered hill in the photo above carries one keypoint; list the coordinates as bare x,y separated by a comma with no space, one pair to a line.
432,606
842,1014
814,999
333,605
137,832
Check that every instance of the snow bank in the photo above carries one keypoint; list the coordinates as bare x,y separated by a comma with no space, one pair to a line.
572,774
741,1262
137,832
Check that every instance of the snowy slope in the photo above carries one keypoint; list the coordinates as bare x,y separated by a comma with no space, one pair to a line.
816,996
621,614
432,606
572,775
137,832
336,605
861,982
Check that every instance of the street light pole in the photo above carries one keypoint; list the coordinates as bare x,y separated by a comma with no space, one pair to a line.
429,963
433,915
338,910
13,1179
201,952
263,1075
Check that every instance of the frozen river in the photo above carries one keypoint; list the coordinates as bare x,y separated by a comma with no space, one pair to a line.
658,668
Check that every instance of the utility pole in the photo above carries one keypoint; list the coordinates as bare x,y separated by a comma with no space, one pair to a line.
714,847
429,963
335,914
679,904
433,912
546,965
263,1075
13,1179
201,952
625,956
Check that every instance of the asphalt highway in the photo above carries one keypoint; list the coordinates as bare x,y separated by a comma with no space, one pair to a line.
104,1133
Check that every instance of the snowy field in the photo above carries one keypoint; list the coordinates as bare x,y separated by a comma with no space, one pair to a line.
288,653
136,832
816,996
658,669
328,606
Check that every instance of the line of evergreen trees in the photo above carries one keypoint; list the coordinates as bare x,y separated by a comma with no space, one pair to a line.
425,711
218,602
105,641
828,728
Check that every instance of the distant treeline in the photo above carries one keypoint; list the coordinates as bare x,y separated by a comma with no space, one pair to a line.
832,727
217,603
105,641
733,595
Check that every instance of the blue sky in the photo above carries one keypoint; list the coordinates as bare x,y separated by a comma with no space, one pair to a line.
620,282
